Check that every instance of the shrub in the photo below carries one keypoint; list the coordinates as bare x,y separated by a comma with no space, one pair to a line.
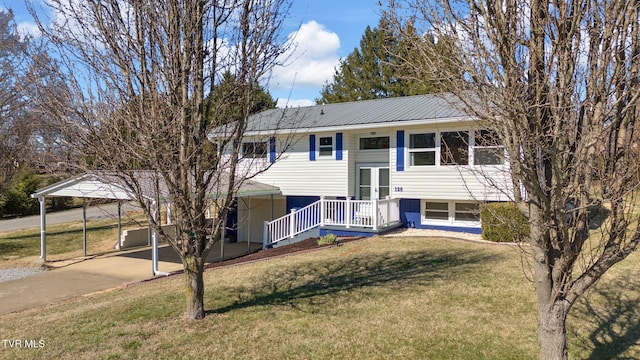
503,222
17,199
328,239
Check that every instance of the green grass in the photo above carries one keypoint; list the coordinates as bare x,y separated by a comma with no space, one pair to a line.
381,298
63,241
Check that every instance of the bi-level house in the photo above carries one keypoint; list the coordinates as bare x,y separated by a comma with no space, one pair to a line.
357,168
369,166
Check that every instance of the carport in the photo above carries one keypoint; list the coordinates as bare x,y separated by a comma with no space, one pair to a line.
104,185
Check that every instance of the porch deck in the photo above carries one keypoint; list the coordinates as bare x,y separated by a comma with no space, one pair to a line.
341,215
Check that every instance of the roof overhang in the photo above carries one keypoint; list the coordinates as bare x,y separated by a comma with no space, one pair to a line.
85,186
95,186
356,127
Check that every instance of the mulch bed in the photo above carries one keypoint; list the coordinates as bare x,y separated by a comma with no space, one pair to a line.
305,245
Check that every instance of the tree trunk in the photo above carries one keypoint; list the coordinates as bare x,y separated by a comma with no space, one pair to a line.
194,287
552,332
552,311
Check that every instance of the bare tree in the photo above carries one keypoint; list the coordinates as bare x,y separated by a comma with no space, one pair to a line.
141,73
559,82
14,131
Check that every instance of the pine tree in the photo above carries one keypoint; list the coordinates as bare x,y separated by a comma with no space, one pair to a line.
379,67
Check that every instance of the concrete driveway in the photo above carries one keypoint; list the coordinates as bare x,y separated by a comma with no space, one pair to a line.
85,276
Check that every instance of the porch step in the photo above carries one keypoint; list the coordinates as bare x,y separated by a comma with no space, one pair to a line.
315,232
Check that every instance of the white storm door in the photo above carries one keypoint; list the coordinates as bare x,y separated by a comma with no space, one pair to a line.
373,182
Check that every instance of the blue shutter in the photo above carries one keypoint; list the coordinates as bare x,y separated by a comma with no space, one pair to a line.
312,147
400,150
272,150
338,146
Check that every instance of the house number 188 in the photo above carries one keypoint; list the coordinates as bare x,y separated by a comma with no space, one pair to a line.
398,189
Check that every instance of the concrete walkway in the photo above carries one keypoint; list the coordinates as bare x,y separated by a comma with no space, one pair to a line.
84,276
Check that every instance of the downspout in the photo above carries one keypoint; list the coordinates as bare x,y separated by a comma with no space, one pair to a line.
154,242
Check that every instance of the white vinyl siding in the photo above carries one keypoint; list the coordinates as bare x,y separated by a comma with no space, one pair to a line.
295,174
444,182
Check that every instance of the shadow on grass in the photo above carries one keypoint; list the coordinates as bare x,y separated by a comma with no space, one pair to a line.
315,279
60,232
11,247
613,314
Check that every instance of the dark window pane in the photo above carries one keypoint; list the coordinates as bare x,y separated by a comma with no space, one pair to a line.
455,148
489,156
326,141
466,216
436,215
466,207
467,212
365,193
384,192
383,175
442,206
365,177
422,141
254,150
423,158
374,143
486,138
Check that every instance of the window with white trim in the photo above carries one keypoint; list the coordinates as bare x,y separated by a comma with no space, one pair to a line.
374,143
440,212
325,146
466,212
436,210
487,149
422,149
255,150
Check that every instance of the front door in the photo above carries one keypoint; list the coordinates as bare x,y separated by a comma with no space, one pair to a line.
373,182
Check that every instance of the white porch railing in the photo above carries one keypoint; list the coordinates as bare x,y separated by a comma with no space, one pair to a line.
369,214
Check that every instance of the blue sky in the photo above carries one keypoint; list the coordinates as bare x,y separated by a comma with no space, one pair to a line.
327,30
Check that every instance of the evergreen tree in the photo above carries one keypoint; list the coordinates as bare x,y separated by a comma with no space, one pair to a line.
223,92
380,67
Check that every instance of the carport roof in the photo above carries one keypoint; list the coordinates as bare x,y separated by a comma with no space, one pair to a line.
106,185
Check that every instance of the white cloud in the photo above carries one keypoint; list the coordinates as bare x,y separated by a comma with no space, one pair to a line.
292,103
312,60
28,28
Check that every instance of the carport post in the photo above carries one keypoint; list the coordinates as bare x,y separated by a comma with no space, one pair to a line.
84,226
223,233
249,229
43,228
119,223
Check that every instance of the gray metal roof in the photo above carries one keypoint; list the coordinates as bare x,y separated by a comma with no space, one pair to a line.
109,185
430,108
